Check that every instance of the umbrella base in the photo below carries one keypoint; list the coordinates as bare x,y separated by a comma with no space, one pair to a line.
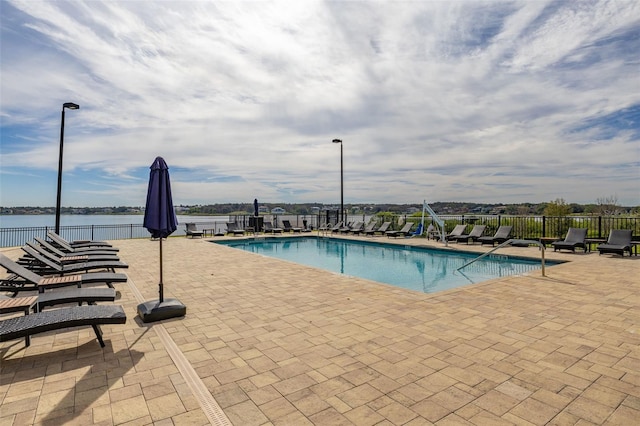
153,310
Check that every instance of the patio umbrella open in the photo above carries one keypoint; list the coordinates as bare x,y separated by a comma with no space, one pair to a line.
161,221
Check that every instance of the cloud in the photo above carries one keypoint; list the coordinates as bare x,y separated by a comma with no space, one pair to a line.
482,101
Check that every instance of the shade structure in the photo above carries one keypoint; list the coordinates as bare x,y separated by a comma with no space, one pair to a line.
161,221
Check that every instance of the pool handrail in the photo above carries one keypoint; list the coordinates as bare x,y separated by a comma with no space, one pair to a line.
509,242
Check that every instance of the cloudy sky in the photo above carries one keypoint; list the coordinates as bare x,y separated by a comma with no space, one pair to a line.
480,101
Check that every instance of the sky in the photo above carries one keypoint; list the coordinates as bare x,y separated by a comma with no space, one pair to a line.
468,101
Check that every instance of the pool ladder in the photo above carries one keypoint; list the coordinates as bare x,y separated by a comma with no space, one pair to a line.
323,230
510,242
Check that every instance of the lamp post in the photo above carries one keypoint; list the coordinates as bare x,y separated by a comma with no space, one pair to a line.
69,105
341,181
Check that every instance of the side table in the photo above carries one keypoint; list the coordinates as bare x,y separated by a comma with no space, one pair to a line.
17,304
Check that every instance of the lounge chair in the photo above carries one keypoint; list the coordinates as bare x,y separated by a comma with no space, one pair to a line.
456,232
475,233
22,279
405,231
68,248
618,242
356,227
56,319
268,228
369,229
78,243
288,228
43,264
382,229
502,234
336,228
575,238
89,295
192,231
92,253
234,229
346,228
63,258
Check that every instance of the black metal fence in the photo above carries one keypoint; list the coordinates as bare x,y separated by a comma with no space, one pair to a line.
535,227
530,227
11,237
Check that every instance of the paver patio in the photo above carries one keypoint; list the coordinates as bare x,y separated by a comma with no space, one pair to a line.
278,343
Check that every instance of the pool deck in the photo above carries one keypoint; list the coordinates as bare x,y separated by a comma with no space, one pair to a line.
269,342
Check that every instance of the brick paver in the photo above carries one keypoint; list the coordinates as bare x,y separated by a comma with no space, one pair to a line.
279,343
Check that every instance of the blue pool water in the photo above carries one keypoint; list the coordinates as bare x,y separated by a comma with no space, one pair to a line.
414,268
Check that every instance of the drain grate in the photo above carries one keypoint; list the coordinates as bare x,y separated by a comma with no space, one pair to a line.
208,404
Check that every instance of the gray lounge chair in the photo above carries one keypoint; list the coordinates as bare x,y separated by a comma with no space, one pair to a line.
288,228
191,230
366,230
268,228
618,242
92,253
336,228
502,234
234,229
43,264
89,295
575,238
475,233
381,230
56,319
66,247
63,258
78,243
356,228
456,232
22,279
405,231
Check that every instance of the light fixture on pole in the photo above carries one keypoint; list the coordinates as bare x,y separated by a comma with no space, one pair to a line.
69,105
341,181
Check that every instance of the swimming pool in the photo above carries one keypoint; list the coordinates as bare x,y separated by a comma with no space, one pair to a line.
422,269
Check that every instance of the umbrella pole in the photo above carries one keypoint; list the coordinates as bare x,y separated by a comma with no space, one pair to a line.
160,285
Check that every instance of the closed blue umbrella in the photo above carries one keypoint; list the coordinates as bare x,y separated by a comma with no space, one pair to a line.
161,221
160,217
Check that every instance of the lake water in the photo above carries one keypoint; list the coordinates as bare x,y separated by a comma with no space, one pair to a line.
15,230
24,221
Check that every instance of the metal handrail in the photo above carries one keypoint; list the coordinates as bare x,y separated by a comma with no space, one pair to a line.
323,229
506,243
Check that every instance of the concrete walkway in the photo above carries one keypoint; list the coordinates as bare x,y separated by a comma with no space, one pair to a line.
268,342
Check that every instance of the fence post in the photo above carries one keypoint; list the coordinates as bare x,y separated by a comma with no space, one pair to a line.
599,226
544,226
